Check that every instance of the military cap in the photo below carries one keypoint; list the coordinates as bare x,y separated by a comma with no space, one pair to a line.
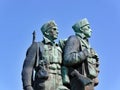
48,25
80,24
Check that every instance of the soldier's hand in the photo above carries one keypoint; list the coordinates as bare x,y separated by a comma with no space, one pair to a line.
29,88
75,73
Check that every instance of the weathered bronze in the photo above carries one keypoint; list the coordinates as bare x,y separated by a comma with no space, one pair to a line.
80,58
42,65
70,65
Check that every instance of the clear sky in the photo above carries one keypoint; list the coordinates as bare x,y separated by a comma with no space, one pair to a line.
19,18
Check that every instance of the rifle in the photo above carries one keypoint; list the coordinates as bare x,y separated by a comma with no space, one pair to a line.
34,36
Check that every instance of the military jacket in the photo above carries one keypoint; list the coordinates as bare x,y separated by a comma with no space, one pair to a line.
72,57
50,52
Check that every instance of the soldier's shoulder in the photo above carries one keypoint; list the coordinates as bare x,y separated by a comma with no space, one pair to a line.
72,38
33,45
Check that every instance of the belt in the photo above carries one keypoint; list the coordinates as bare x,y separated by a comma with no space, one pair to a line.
54,66
55,63
54,71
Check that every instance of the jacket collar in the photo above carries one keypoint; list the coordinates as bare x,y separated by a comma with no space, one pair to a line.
81,35
47,41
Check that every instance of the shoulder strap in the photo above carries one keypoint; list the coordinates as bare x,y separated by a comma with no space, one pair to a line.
83,64
39,54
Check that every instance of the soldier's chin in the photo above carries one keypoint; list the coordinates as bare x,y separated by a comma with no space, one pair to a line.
55,38
88,36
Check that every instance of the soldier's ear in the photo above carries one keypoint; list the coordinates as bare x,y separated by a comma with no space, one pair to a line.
81,30
46,33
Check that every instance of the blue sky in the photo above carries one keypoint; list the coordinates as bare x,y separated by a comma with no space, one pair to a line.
19,18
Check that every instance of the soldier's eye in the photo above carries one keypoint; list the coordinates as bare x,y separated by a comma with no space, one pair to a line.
88,26
54,28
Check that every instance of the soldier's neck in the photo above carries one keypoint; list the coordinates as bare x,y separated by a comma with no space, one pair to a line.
81,35
48,39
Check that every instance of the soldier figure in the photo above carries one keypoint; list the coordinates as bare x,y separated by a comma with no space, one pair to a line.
80,58
42,65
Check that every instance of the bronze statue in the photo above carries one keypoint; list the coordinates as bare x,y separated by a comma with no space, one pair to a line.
42,65
80,58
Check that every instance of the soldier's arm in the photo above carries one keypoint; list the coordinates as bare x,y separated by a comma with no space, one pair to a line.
28,66
72,53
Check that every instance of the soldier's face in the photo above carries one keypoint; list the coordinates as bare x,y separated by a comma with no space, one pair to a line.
53,33
87,31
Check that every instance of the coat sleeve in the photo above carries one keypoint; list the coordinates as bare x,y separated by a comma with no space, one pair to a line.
72,53
28,65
